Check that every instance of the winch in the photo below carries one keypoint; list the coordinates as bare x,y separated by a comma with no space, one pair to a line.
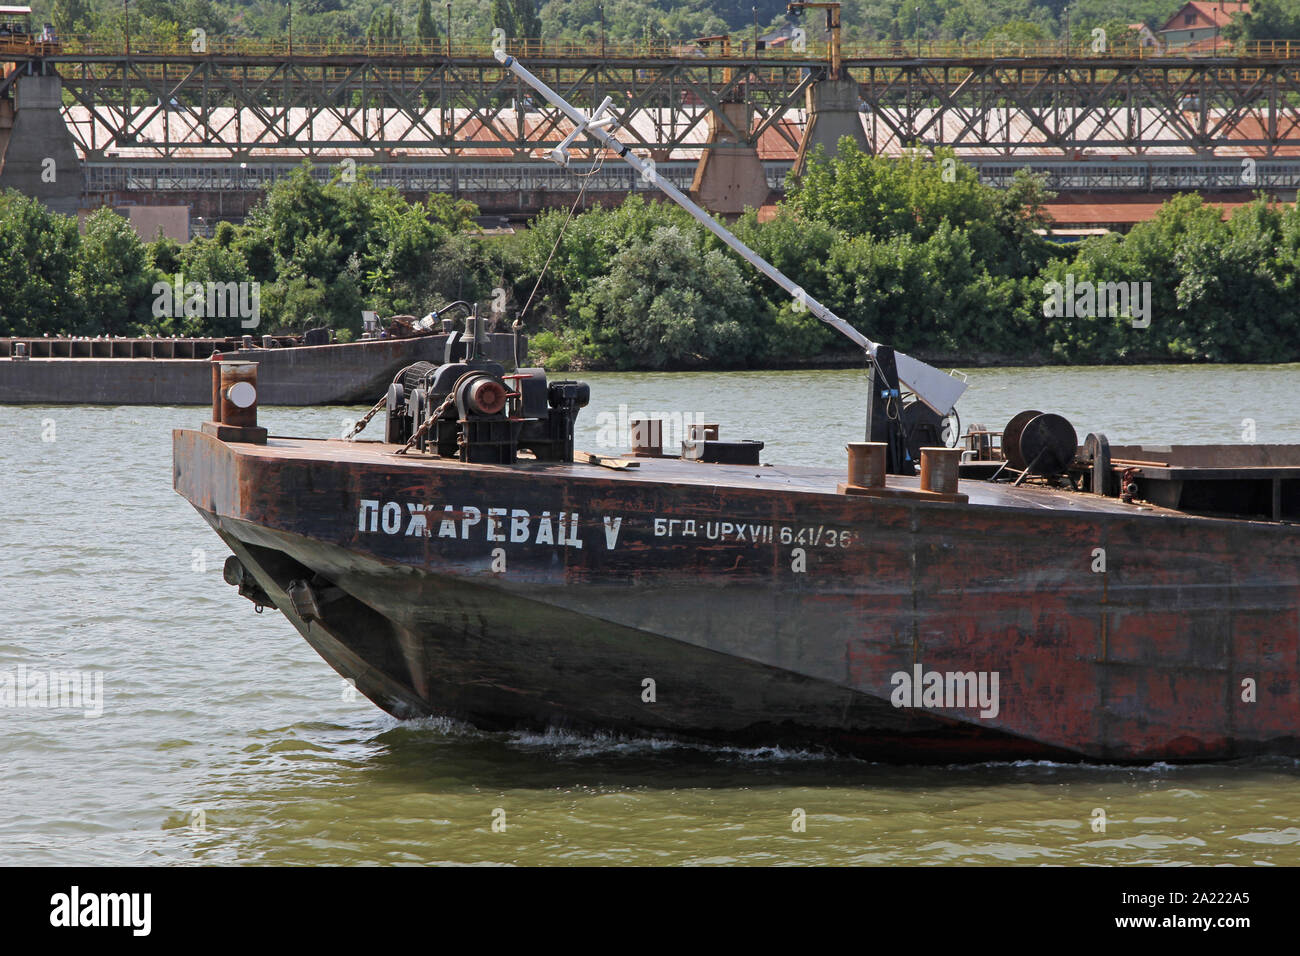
472,410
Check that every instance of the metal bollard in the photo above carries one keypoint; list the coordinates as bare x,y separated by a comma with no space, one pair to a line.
216,387
239,394
939,470
866,464
647,436
234,402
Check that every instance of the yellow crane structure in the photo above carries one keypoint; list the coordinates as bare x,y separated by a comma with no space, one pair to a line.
832,25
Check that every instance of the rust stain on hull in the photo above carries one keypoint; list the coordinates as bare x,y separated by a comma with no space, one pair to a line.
767,608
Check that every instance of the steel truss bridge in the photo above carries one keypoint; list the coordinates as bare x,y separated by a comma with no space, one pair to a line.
1122,121
241,103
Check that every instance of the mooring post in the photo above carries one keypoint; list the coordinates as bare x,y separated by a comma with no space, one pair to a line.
939,470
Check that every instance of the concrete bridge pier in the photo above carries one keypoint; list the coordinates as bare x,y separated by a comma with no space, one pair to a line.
37,153
730,175
832,113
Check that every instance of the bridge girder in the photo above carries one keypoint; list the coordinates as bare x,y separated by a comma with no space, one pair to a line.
458,106
223,106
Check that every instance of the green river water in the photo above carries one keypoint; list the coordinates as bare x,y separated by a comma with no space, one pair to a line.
223,738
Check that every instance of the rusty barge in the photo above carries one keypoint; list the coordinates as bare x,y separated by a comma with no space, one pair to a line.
767,606
1024,595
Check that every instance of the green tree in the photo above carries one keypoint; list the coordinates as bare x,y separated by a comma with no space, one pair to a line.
113,277
801,249
503,17
70,16
1096,339
224,235
204,261
1219,291
38,249
165,253
383,24
329,249
568,259
1018,36
1267,20
425,27
409,243
864,195
527,22
455,215
931,296
668,303
1232,289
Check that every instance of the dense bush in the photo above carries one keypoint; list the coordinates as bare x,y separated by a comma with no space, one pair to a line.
1219,291
668,303
38,250
916,253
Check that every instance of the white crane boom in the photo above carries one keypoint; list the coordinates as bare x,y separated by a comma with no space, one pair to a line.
935,388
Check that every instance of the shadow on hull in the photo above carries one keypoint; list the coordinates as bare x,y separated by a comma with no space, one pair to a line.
423,645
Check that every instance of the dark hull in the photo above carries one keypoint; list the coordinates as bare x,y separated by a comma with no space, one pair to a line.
345,374
1145,661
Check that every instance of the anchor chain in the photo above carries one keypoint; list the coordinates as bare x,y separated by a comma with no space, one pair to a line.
429,422
364,420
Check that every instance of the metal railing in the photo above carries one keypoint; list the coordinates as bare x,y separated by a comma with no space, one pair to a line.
26,45
471,48
461,179
452,178
467,48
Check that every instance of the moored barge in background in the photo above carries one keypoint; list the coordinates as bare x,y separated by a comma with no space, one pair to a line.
308,369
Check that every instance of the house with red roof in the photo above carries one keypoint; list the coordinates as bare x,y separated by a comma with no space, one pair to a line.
1146,39
1196,22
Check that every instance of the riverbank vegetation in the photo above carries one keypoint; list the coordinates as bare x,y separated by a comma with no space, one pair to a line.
914,252
1008,24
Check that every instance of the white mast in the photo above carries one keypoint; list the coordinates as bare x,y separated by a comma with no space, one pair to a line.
937,389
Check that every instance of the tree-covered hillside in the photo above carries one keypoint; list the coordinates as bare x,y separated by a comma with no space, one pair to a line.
1027,21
